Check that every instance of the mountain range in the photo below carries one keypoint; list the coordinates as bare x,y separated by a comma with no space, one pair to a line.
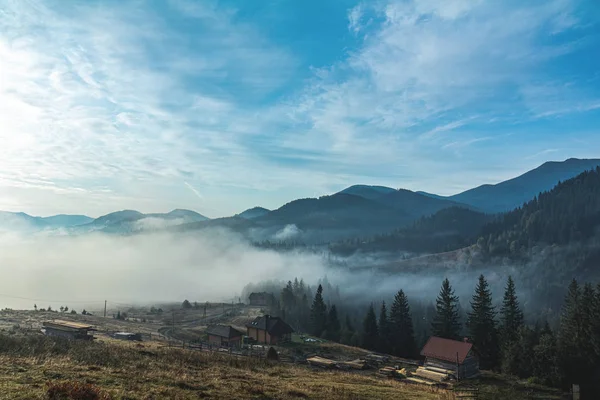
358,210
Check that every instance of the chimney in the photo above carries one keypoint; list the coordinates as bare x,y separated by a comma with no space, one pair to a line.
466,340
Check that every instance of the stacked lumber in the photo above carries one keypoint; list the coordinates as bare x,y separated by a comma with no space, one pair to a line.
431,375
317,361
355,364
441,370
377,358
387,371
419,381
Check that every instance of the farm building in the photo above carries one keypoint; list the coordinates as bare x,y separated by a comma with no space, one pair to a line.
224,335
450,356
128,336
261,299
68,329
269,330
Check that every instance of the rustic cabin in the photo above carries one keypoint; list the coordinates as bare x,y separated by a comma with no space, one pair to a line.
261,299
128,336
68,329
451,357
269,330
224,336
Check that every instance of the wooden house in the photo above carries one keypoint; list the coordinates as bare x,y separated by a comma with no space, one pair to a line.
269,330
68,329
261,299
224,336
451,356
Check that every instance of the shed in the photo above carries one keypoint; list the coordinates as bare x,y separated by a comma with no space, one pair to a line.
453,356
224,335
68,329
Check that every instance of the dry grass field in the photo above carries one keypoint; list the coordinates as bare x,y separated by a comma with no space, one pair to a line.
30,362
122,370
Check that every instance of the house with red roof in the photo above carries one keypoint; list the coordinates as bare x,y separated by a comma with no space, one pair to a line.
451,356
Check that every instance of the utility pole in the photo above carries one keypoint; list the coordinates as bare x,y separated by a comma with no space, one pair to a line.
104,308
173,319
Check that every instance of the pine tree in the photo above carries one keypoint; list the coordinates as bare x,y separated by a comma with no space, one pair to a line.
401,328
596,325
288,299
347,332
576,336
446,323
545,362
318,314
511,316
333,325
370,330
482,326
384,330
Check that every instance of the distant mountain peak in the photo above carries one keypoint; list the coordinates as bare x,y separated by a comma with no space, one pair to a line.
369,192
507,195
253,212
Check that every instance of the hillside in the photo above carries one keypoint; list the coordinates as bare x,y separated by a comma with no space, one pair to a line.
449,229
367,191
254,212
568,213
33,366
510,194
25,222
131,221
330,217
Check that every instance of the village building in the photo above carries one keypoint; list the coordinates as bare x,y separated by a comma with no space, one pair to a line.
269,330
452,356
224,336
68,329
261,299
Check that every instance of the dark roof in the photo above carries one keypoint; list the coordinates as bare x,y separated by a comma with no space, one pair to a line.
260,294
446,349
225,331
276,326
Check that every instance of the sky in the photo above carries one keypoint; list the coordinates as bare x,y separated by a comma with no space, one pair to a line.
219,106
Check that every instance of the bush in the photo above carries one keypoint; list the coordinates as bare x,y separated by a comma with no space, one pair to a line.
73,390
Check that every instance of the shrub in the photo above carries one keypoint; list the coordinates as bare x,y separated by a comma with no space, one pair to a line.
73,390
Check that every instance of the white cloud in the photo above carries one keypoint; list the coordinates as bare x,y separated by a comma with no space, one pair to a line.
108,107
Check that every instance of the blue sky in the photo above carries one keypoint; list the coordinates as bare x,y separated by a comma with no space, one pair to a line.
219,106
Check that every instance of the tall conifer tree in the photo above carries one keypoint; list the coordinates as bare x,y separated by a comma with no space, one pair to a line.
446,323
482,326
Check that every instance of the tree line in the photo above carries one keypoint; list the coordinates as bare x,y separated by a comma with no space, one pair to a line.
502,340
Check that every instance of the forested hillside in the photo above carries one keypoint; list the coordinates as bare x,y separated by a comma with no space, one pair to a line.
448,229
567,214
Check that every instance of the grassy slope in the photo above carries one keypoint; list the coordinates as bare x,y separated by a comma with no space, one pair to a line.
127,371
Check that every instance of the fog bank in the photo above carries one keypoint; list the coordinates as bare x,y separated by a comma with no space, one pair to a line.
205,266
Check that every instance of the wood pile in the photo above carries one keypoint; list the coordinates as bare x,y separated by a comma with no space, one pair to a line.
431,375
419,381
321,362
387,371
355,364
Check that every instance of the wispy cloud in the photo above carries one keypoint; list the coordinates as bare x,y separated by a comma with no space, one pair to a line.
541,153
193,189
113,105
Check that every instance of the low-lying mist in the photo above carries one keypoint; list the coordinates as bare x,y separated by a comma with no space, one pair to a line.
209,265
139,269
